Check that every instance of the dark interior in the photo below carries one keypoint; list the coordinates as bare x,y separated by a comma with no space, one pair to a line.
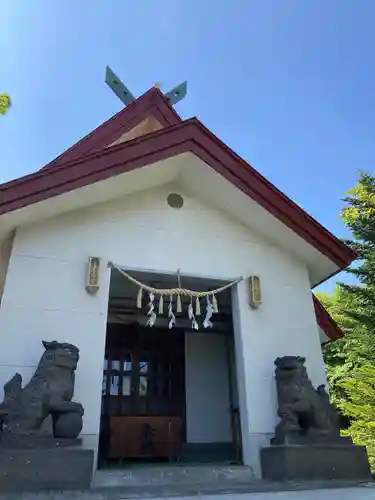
143,377
143,415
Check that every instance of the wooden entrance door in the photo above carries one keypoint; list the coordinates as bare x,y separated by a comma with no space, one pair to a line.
143,392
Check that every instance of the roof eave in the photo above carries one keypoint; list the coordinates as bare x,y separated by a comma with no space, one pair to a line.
188,136
326,322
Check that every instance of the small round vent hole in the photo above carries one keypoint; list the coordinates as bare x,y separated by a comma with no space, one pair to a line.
175,200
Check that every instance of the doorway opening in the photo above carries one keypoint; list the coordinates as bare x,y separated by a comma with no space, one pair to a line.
168,394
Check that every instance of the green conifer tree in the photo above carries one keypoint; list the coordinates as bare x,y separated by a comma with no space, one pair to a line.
360,407
351,361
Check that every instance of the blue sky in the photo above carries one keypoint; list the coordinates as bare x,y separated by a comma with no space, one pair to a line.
288,84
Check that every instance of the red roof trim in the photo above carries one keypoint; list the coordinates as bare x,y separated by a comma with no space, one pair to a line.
188,136
152,102
326,322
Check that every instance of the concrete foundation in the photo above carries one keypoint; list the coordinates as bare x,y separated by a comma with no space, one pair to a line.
45,469
314,462
191,482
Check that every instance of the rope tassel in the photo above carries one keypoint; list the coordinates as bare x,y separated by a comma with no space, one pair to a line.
161,306
139,299
197,307
179,305
215,308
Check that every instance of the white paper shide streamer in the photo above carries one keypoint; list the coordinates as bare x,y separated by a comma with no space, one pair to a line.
171,316
151,311
194,324
207,323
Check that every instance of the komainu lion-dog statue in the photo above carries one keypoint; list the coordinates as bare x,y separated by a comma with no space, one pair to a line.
306,414
44,407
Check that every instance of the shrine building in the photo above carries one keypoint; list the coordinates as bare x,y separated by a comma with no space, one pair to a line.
179,272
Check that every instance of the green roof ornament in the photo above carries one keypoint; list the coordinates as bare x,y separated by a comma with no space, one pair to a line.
123,93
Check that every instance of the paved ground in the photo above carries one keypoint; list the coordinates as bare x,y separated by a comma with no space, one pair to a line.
206,482
364,492
357,493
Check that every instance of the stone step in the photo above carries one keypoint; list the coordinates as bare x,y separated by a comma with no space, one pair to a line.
192,491
172,475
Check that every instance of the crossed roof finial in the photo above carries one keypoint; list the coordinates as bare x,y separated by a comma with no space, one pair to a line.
123,93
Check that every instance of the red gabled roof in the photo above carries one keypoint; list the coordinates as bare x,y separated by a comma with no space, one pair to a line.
326,322
152,102
91,160
70,172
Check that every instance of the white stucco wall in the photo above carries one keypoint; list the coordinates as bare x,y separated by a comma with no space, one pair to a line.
207,388
5,252
45,298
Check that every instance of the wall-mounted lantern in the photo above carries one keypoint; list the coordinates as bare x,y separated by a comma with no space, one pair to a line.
93,275
255,293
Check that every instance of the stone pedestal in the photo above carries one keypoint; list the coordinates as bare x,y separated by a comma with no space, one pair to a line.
39,427
66,468
314,462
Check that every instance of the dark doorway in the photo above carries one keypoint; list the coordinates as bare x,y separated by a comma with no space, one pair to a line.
143,394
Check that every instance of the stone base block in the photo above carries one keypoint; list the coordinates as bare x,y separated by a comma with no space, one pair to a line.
45,469
314,462
30,441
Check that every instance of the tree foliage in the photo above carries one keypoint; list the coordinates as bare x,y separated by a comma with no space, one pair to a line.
351,361
360,407
5,103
